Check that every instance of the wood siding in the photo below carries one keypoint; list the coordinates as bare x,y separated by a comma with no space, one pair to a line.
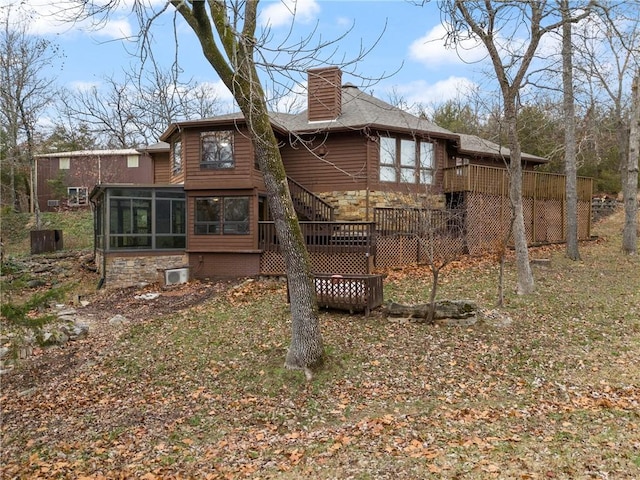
343,167
161,167
224,265
87,171
242,176
324,94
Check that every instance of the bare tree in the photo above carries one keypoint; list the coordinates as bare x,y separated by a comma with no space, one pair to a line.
497,25
606,57
630,229
570,167
136,109
24,94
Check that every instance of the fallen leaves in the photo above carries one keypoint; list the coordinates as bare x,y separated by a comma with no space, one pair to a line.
556,395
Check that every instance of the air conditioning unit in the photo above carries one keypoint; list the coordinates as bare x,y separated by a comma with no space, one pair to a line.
175,276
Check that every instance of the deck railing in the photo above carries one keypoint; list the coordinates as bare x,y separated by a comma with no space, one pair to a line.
308,204
421,221
495,181
328,237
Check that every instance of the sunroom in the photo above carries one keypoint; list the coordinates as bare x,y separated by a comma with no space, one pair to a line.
140,232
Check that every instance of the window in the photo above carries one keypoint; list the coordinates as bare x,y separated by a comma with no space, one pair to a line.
176,157
64,163
461,162
130,223
387,159
143,219
171,222
132,161
427,162
77,196
405,160
217,150
222,216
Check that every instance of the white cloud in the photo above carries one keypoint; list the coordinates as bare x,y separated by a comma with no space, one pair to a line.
282,12
427,94
430,49
66,17
82,86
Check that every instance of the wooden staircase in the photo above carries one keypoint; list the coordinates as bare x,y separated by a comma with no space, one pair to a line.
308,205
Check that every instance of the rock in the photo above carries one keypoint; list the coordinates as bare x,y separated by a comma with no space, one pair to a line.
457,322
118,320
67,313
444,309
76,330
35,283
147,296
4,351
54,337
495,318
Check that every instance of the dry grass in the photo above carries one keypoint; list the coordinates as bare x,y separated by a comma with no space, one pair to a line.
203,393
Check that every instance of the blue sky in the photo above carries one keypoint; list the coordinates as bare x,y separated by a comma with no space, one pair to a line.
411,45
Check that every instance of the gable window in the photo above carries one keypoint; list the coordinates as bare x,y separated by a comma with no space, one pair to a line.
405,160
176,157
217,150
64,163
222,216
77,196
132,161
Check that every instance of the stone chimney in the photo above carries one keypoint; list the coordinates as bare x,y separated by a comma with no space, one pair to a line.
324,97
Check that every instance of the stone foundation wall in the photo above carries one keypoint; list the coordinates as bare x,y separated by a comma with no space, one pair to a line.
351,205
128,270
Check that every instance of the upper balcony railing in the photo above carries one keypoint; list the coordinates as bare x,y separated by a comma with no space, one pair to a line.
495,181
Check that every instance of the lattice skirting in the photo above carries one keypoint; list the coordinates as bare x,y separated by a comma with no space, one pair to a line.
272,263
486,221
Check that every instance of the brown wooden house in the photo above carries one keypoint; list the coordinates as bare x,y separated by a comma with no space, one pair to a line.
354,163
65,179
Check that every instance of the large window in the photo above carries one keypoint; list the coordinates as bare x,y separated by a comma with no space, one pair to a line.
143,219
405,160
77,196
222,216
217,150
176,157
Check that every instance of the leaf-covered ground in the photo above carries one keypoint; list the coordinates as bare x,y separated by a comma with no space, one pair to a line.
202,393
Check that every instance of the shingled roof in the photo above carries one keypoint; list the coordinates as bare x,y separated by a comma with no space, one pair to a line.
473,145
361,110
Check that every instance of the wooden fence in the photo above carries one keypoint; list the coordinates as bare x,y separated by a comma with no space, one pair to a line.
495,181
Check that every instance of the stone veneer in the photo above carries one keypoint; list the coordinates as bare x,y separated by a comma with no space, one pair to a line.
351,205
128,270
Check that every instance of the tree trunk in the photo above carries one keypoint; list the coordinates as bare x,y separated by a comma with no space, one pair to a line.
569,136
525,284
306,350
237,69
630,229
432,297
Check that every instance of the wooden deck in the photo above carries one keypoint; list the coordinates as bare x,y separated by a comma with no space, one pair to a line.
495,181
